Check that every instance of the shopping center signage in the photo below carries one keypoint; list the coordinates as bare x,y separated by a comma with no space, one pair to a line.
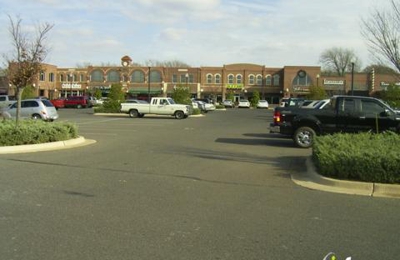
333,82
386,84
234,86
71,86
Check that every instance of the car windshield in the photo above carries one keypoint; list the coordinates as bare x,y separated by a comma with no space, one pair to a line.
47,103
171,101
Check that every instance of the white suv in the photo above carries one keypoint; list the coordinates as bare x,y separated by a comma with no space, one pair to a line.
35,109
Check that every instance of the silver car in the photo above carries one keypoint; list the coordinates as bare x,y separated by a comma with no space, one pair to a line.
35,109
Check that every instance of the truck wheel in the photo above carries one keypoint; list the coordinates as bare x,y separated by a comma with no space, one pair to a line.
179,115
304,137
133,113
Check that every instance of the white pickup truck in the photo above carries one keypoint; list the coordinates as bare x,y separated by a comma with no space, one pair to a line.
158,106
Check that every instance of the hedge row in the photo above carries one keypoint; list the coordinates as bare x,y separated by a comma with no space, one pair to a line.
364,157
35,132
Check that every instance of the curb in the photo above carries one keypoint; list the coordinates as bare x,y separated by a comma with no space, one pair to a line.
149,115
313,180
29,148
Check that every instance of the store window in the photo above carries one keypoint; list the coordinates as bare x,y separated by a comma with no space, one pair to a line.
113,76
137,76
301,79
259,80
239,79
51,77
174,78
230,79
155,76
209,78
268,80
96,76
42,76
276,80
217,78
251,79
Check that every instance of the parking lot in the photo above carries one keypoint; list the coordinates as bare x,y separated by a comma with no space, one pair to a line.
211,187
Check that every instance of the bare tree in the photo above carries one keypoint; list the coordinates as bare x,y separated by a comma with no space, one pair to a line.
24,64
382,32
171,63
339,60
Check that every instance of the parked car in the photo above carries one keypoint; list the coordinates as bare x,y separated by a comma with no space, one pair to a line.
322,103
228,103
262,104
77,101
205,100
6,100
35,109
244,103
58,103
95,101
310,104
200,105
291,102
207,106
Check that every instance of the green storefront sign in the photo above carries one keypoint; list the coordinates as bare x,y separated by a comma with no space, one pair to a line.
234,86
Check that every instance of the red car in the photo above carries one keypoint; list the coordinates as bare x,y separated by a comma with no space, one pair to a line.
77,101
58,103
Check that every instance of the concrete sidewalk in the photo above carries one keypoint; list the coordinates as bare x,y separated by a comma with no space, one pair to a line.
312,180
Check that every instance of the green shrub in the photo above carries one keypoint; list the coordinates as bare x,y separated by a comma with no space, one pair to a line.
196,111
35,132
110,106
365,156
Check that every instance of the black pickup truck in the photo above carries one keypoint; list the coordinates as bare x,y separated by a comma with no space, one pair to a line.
346,114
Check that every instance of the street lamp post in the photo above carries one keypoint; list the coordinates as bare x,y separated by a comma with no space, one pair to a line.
187,79
317,80
148,88
70,76
352,78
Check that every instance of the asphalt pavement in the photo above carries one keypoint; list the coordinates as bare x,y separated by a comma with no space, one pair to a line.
309,179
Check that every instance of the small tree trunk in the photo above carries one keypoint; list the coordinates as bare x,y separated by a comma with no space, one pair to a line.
19,96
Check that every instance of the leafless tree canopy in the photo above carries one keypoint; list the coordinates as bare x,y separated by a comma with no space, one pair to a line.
172,63
382,32
338,60
24,62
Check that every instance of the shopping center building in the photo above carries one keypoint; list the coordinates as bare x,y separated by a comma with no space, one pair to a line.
242,80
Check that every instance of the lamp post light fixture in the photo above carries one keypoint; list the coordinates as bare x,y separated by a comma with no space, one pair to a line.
71,78
317,80
187,79
148,88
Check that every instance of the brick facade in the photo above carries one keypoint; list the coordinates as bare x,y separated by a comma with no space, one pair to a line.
239,80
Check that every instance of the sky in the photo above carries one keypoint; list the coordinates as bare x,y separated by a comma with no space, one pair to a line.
274,33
